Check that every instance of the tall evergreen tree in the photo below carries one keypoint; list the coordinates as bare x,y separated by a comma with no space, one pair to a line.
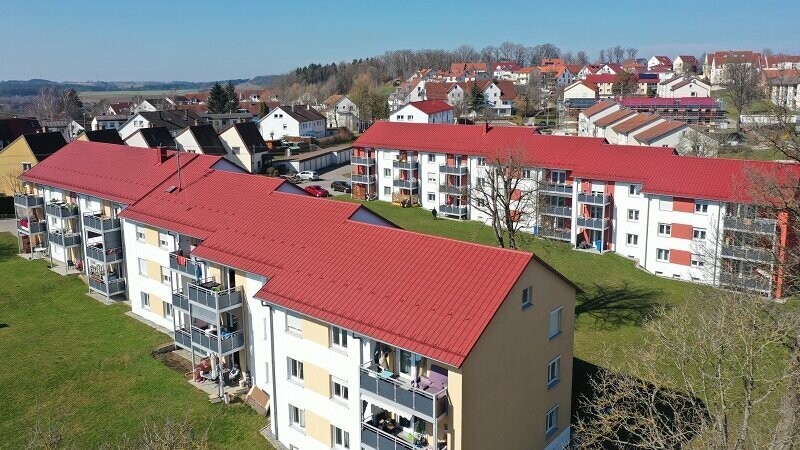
73,106
476,100
232,99
263,109
217,99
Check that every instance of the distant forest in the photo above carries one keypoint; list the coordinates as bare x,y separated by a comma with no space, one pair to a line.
25,88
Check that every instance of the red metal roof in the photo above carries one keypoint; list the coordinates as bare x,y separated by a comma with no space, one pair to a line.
113,172
638,102
431,106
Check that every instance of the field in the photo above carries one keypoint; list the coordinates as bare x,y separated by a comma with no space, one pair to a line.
122,96
87,368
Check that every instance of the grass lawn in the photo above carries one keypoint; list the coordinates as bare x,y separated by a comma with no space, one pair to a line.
88,367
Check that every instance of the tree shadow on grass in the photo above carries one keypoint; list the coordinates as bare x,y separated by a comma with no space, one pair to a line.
614,306
8,250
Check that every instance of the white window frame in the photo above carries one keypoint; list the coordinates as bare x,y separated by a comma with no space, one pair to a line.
142,267
431,197
554,372
527,297
297,417
145,299
294,370
140,234
342,334
294,324
432,177
336,434
431,157
343,389
557,315
168,310
697,261
632,237
166,276
698,231
551,416
665,229
662,255
634,190
701,208
633,215
665,205
266,328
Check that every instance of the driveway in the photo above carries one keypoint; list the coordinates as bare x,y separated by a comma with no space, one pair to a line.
9,225
327,175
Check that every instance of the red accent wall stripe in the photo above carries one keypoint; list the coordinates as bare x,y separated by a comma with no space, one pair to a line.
681,257
683,204
682,231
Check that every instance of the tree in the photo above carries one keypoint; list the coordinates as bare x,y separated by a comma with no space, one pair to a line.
529,97
263,109
741,81
625,84
601,56
618,54
696,143
704,371
217,99
506,196
582,58
48,104
232,100
631,52
476,102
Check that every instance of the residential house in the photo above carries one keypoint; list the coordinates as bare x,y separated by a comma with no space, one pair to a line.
702,111
292,120
504,70
679,217
202,139
623,133
25,152
152,137
67,127
602,126
581,93
604,83
689,87
715,62
245,147
153,104
476,67
523,76
555,76
175,121
341,112
11,129
664,87
784,62
426,111
108,136
119,108
665,134
224,120
783,87
589,116
686,65
588,69
659,61
609,69
111,122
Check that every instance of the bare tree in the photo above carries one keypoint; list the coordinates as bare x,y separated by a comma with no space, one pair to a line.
696,143
506,195
705,370
48,104
568,58
741,81
631,52
582,57
619,54
601,56
13,182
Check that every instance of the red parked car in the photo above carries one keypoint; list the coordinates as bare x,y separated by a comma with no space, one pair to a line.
317,190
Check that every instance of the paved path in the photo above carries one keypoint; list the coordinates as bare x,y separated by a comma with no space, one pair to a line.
9,225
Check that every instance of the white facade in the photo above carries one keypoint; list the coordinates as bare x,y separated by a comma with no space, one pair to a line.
108,122
579,90
237,151
343,113
130,126
279,123
412,114
586,125
670,139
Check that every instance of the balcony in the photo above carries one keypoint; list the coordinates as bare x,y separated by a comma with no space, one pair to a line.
563,234
101,254
183,264
754,225
362,161
30,225
231,342
558,211
62,210
363,179
405,165
180,300
454,210
594,224
383,384
454,170
454,189
28,200
115,286
375,438
594,199
211,296
748,253
405,184
561,190
736,282
64,239
100,224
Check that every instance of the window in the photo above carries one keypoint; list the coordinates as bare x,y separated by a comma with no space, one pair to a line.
632,240
297,417
526,298
528,173
266,372
481,161
294,324
551,422
431,157
662,255
664,204
698,233
664,229
701,207
25,166
167,310
139,233
410,117
142,267
163,242
285,126
481,182
553,369
400,117
339,390
295,370
405,362
341,438
555,321
558,176
339,337
235,150
387,190
431,177
634,189
697,262
166,277
633,215
146,301
266,328
387,172
431,197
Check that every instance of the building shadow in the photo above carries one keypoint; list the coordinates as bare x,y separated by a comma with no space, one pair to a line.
614,306
8,250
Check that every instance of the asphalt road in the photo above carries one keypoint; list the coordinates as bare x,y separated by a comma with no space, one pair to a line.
9,225
326,176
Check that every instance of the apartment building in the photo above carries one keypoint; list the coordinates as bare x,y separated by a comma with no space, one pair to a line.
71,203
356,352
696,219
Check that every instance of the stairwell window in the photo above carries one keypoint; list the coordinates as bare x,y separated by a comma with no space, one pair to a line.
167,310
140,234
527,300
697,261
634,190
341,438
142,267
553,370
555,321
294,324
551,421
633,215
297,417
665,229
339,337
662,255
295,370
339,390
146,301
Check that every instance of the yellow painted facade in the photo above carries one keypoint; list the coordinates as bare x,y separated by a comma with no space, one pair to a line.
316,379
454,408
12,157
154,270
156,305
316,332
150,235
318,428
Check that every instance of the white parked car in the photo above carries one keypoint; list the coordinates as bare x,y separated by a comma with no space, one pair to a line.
308,175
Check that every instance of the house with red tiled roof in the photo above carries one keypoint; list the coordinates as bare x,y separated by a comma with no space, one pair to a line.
609,68
523,75
498,95
555,75
782,61
715,62
588,69
659,61
426,111
686,65
622,133
580,90
340,112
590,115
783,87
503,70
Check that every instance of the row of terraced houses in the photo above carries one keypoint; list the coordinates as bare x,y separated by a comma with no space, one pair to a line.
355,331
689,218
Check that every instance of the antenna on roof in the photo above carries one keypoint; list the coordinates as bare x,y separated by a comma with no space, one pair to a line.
180,182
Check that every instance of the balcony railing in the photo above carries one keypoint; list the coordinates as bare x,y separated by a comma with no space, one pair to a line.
453,170
183,339
453,189
31,226
405,184
595,224
230,342
405,165
115,286
556,233
180,300
64,239
99,223
363,179
558,211
106,255
594,199
61,210
206,294
559,189
454,210
386,387
28,200
377,439
183,264
755,225
362,160
748,253
734,281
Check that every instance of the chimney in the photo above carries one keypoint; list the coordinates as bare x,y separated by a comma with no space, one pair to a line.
308,106
162,154
485,127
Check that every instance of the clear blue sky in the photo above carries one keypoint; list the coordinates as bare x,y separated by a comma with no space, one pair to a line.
209,40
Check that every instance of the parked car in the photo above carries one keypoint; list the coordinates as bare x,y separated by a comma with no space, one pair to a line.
342,186
308,175
317,190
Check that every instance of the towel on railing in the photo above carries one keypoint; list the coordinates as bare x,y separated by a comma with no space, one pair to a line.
181,260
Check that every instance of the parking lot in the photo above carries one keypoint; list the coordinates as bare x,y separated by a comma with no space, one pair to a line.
330,174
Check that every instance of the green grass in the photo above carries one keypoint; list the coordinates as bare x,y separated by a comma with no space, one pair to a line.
88,367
